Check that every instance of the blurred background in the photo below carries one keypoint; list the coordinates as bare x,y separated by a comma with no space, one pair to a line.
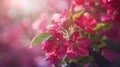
20,21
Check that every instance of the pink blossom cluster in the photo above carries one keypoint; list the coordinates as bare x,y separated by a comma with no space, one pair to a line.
113,11
112,7
81,26
72,44
74,31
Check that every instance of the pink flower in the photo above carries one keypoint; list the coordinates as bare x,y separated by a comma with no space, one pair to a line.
71,53
61,51
105,18
82,46
79,1
52,57
78,46
75,36
55,47
53,43
59,20
86,22
107,1
64,17
112,7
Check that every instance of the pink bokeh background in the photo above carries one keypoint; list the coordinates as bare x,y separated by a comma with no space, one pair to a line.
20,20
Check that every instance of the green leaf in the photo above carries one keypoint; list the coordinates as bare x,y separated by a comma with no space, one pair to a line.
78,13
70,13
99,26
83,60
108,26
39,38
64,59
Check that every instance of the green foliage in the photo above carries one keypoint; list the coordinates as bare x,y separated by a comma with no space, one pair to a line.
99,26
70,13
78,13
113,45
108,26
84,60
40,37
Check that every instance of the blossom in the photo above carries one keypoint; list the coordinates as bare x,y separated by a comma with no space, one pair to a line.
79,46
112,8
52,57
58,20
86,22
71,53
82,46
75,36
55,47
79,1
105,18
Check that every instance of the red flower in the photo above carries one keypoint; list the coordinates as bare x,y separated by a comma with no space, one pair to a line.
75,36
82,46
79,1
52,57
71,53
58,20
56,47
78,46
86,22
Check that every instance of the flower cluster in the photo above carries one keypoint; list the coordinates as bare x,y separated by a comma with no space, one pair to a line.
78,32
65,43
112,7
113,13
86,22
